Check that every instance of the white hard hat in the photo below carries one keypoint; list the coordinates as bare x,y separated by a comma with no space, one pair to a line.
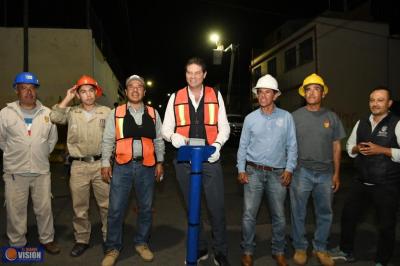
267,82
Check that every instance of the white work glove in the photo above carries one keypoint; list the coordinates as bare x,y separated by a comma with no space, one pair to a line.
178,140
215,156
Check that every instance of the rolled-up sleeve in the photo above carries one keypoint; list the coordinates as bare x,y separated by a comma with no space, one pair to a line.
352,141
291,145
59,115
243,144
159,144
108,143
223,125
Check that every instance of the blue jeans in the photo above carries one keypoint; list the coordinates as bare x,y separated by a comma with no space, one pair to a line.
268,183
319,184
143,179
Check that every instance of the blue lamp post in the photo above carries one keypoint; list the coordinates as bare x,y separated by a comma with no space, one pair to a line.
196,155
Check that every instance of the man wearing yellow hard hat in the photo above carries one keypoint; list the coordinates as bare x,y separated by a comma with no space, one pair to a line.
318,132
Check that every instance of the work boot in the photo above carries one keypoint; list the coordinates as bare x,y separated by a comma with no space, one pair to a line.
300,257
247,260
324,258
110,258
144,252
280,260
51,248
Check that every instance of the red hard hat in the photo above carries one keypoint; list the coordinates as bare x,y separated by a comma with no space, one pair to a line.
87,80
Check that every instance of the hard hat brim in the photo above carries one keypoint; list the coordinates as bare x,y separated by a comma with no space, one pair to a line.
302,91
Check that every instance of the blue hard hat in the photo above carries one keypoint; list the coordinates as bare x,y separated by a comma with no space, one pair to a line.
26,77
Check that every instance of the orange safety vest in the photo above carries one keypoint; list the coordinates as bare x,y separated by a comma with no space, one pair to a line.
182,113
124,147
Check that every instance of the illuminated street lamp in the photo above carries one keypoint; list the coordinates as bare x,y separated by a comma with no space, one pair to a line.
149,83
217,59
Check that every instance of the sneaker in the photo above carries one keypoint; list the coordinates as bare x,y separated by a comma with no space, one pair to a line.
110,258
201,255
144,252
338,254
300,257
51,248
324,258
221,260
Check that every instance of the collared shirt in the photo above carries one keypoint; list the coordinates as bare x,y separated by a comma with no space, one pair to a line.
268,140
85,133
352,141
26,150
109,136
168,127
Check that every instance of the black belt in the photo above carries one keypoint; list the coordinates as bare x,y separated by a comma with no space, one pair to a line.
87,159
263,167
137,159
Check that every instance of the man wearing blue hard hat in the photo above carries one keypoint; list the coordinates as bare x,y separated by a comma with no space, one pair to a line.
27,137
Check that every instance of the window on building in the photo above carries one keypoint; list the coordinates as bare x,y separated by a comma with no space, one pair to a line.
272,67
290,59
256,74
306,51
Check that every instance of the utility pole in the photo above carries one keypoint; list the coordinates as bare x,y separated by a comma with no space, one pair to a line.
26,35
233,49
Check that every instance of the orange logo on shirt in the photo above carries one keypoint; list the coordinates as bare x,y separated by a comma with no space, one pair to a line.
327,123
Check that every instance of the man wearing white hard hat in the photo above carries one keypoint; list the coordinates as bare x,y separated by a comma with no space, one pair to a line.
318,132
266,159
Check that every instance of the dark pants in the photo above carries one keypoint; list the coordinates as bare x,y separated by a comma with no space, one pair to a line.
385,200
213,188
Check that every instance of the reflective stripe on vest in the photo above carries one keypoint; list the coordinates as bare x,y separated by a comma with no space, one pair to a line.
124,147
182,113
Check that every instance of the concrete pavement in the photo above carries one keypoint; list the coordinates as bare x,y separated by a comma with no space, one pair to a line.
168,238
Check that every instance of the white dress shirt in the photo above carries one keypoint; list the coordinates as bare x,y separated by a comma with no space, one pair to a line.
352,141
168,127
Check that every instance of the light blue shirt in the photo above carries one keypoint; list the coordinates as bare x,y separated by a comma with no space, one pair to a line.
268,140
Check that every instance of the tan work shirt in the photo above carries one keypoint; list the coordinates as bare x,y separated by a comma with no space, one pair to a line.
84,135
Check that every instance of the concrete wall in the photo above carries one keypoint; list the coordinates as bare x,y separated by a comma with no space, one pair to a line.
353,58
58,57
105,77
11,62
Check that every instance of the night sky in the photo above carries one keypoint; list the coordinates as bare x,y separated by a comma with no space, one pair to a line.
155,38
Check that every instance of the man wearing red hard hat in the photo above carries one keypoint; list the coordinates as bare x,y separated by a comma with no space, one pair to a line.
85,133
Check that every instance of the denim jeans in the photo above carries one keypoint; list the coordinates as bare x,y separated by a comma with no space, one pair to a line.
319,184
269,183
143,179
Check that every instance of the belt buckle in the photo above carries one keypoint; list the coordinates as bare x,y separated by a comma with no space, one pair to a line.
138,159
88,159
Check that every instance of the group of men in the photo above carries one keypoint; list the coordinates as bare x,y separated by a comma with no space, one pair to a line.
279,154
300,154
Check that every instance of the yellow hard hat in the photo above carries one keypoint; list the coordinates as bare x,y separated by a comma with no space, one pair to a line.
313,79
